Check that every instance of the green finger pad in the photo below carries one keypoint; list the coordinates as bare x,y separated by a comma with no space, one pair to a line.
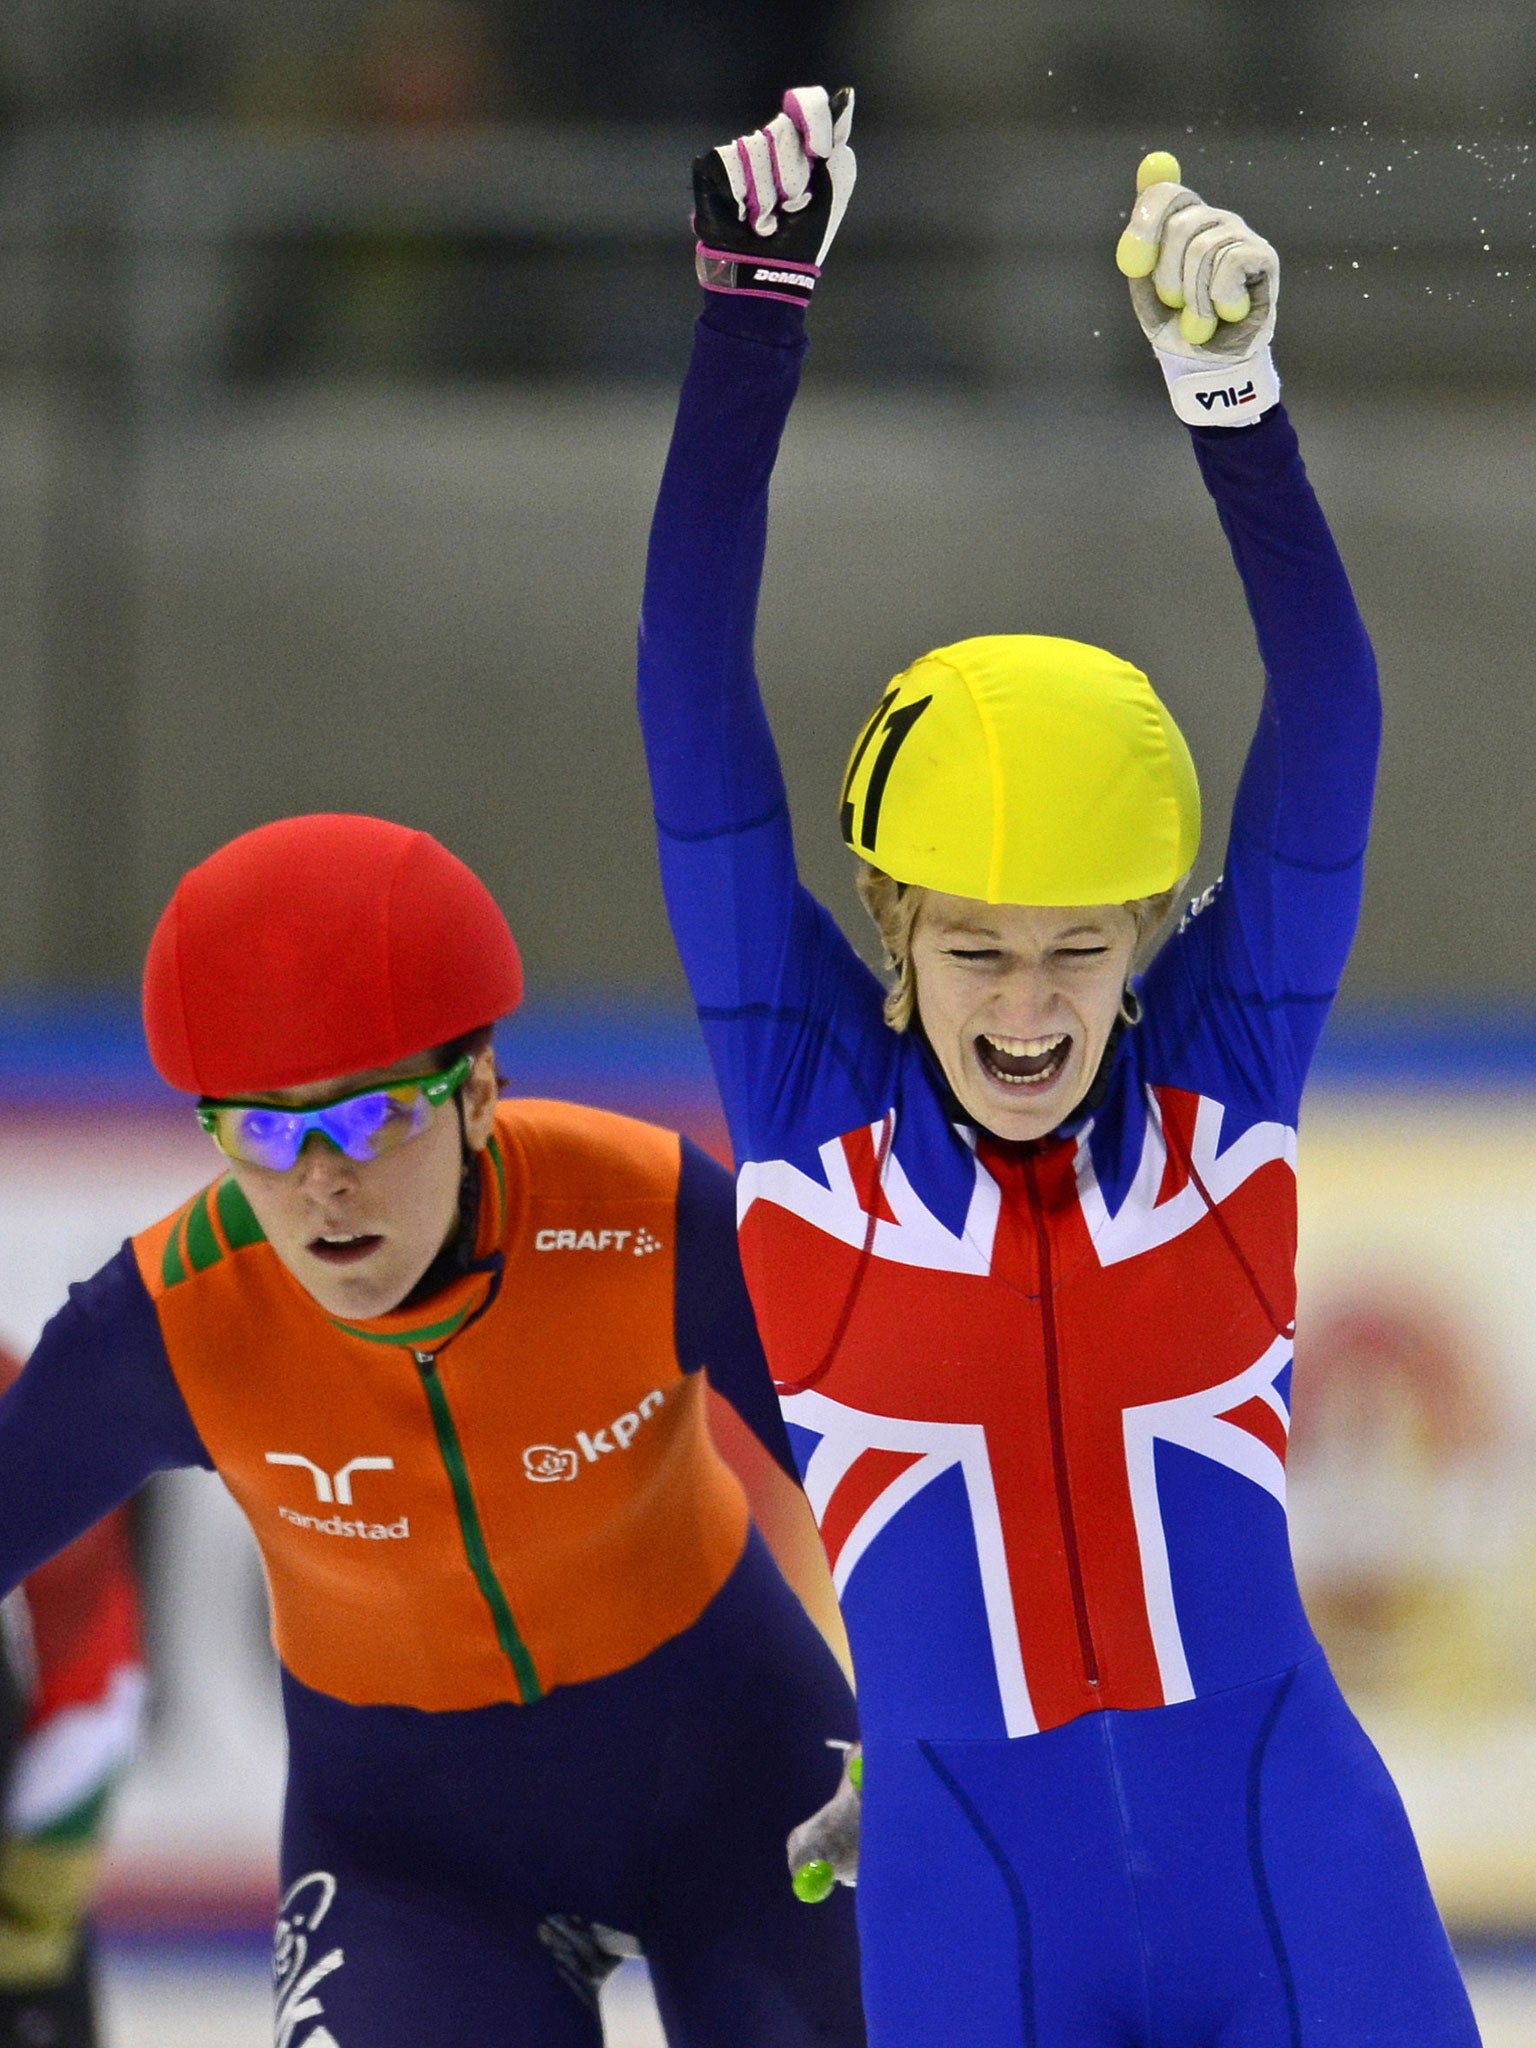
814,1881
856,1773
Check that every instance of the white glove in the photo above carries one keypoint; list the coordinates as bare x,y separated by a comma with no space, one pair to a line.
1203,286
824,1850
768,205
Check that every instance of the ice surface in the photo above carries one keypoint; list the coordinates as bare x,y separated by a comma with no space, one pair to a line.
184,2002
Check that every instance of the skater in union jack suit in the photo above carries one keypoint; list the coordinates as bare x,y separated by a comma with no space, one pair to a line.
1020,1227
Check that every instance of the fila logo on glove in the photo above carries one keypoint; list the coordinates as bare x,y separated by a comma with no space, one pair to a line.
547,1463
1231,396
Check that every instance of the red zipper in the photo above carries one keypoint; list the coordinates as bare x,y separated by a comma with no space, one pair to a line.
1064,1506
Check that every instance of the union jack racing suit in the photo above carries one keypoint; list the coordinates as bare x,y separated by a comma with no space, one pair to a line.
1039,1393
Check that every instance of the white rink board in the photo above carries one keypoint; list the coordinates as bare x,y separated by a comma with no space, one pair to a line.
199,1814
1414,1515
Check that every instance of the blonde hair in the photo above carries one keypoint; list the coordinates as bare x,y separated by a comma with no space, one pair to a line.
894,908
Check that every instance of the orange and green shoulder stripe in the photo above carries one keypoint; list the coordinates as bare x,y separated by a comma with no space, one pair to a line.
213,1226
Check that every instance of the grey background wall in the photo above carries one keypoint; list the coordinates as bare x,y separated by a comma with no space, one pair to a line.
426,608
329,427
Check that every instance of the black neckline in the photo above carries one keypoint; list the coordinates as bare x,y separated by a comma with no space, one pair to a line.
457,1256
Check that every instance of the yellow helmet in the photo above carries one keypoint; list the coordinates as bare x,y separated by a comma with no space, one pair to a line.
1021,769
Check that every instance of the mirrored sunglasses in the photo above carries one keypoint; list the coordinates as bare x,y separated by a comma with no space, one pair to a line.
362,1126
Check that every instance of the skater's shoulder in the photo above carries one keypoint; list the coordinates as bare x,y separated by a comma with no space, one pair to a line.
216,1224
570,1147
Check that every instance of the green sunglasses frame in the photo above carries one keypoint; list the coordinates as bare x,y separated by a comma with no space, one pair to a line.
436,1087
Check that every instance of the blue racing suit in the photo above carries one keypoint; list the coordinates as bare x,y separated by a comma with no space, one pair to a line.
1039,1393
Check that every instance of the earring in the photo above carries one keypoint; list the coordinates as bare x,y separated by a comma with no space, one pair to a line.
1130,1007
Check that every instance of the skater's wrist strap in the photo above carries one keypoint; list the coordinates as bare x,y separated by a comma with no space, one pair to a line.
1223,395
719,270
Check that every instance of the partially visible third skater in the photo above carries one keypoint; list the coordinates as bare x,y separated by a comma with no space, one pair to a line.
71,1688
1020,1227
546,1691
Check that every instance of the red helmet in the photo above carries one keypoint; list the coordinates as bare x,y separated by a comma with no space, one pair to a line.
318,947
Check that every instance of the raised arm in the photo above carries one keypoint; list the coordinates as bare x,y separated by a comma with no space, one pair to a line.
771,975
1272,945
94,1414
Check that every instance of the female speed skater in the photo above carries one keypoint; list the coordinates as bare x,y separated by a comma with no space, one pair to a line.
544,1686
1020,1228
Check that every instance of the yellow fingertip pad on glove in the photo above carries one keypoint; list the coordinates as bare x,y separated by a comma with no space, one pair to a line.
1161,167
1135,256
1234,309
1196,328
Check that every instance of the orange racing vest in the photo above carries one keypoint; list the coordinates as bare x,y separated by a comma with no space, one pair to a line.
509,1488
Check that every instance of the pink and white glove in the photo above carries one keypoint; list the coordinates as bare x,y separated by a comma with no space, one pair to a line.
767,206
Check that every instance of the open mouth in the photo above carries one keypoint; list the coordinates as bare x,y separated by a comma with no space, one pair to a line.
345,1249
1023,1062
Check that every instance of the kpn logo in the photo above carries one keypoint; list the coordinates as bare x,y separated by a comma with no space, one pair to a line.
335,1489
547,1463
